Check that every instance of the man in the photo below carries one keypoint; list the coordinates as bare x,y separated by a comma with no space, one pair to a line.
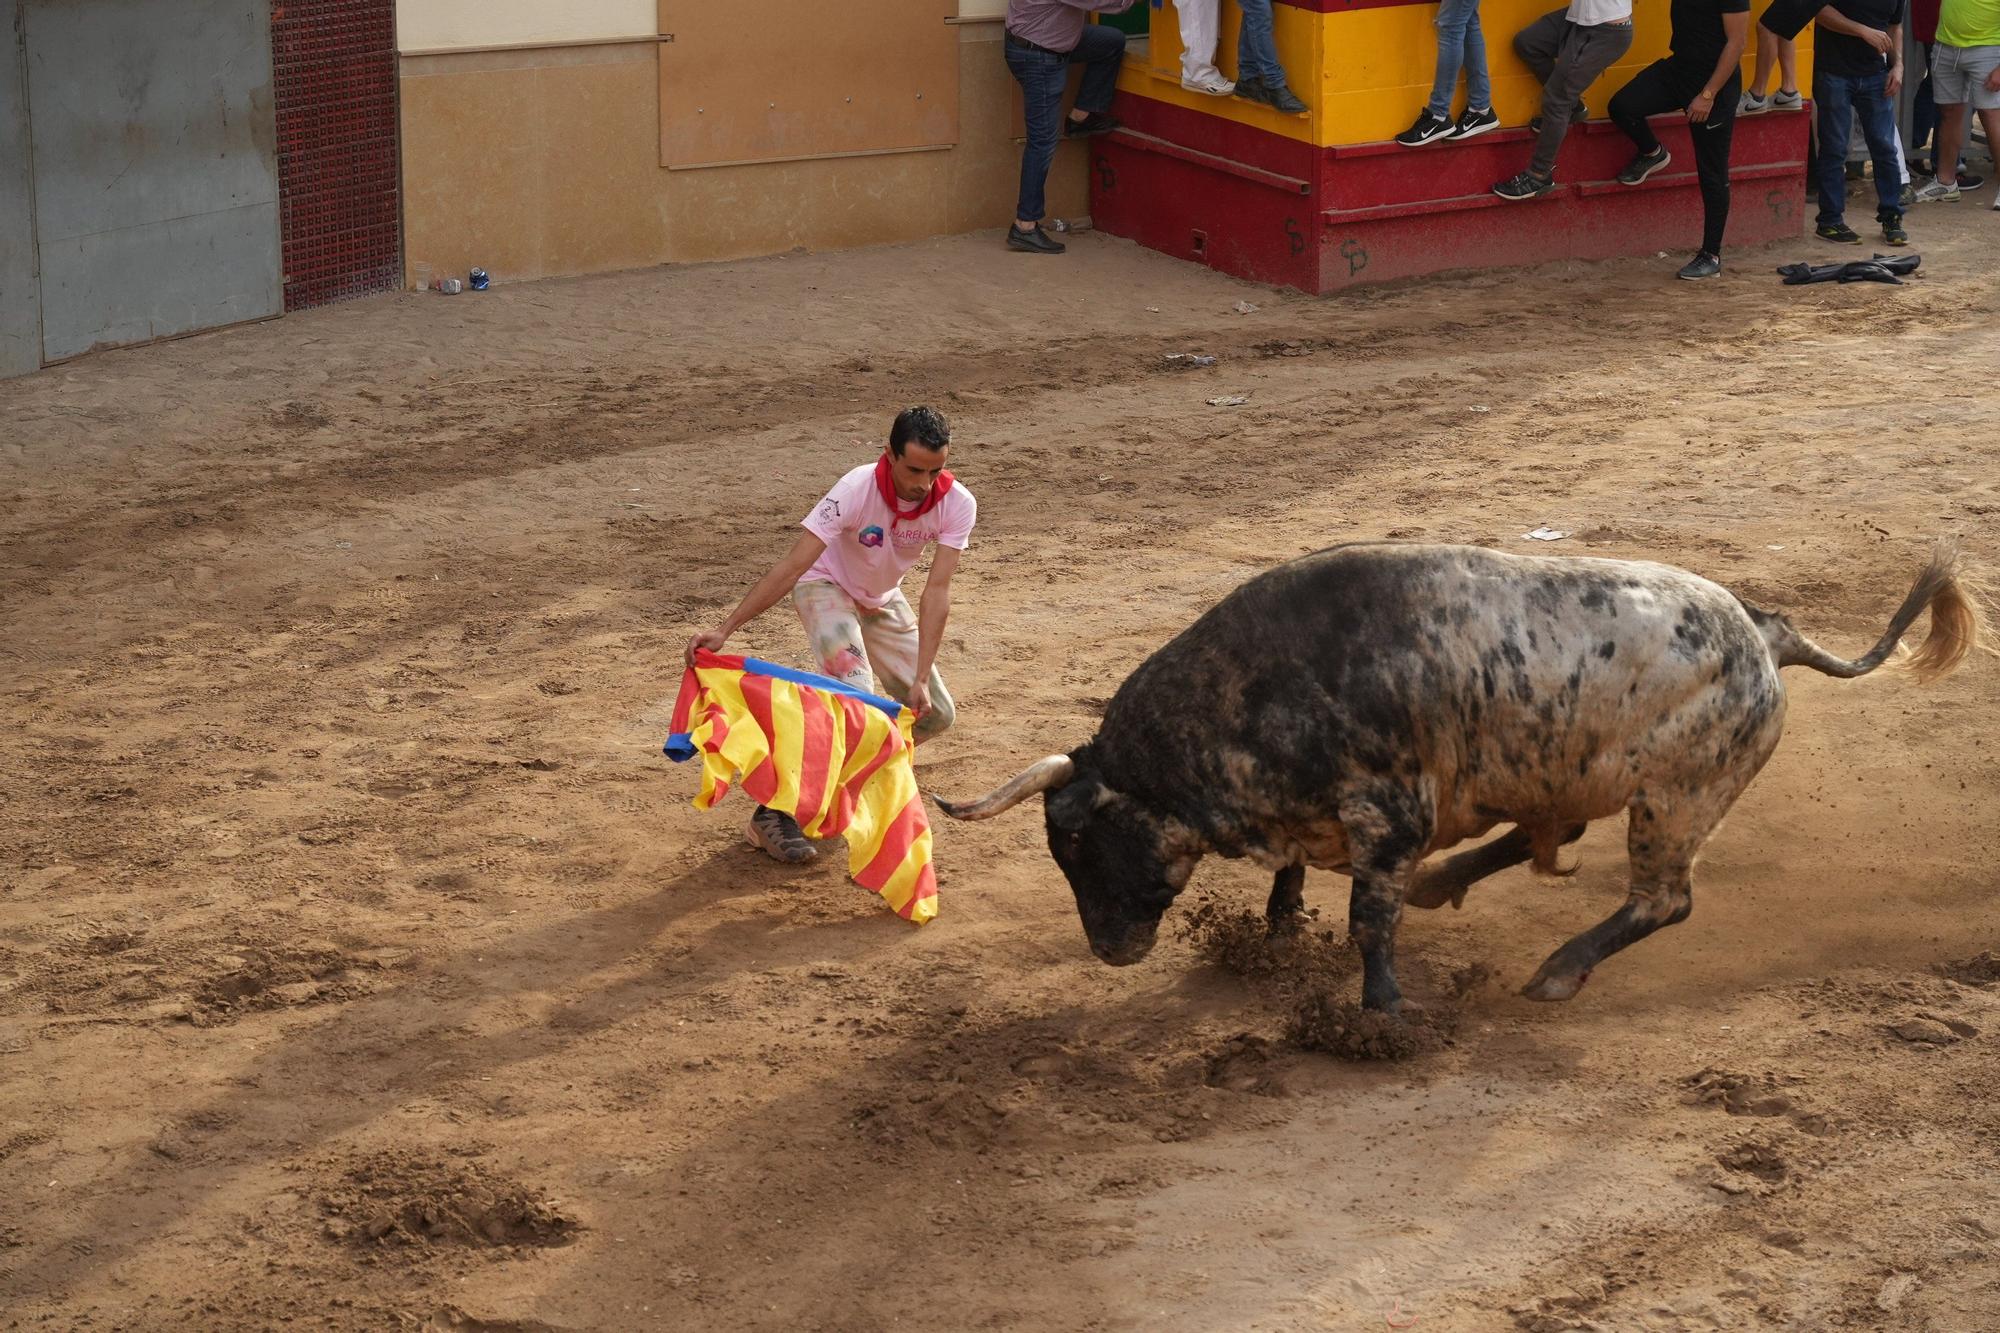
1702,78
1784,53
1965,67
1566,50
845,575
1201,29
1857,72
1044,38
1259,76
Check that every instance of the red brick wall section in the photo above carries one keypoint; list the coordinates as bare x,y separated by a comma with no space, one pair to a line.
334,67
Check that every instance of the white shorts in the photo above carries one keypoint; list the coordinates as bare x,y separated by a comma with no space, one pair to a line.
1959,74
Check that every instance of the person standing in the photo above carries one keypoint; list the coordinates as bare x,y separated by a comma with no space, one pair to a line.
1461,45
1201,29
1259,76
1857,73
1044,38
1702,77
1566,49
1965,70
845,576
1784,53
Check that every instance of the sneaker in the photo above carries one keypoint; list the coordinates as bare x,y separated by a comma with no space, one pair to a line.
1283,98
1097,122
1788,101
1527,186
1906,196
1703,265
1426,128
1644,165
1892,231
1211,83
1473,123
1938,192
778,834
1036,242
1750,104
1837,231
1968,181
1253,90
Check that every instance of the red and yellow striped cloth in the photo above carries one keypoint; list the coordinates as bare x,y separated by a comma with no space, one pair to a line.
834,758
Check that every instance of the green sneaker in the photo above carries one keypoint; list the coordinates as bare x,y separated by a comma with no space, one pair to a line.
1837,231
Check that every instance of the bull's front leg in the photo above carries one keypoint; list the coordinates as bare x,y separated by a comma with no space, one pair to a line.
1388,828
1288,899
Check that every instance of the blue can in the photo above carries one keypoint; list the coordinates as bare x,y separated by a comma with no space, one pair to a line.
480,281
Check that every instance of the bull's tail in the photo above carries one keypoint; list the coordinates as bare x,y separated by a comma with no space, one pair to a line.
1954,632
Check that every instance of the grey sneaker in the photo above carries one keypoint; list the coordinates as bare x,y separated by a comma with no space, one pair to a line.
1787,101
1703,265
780,837
1938,192
1750,104
1644,165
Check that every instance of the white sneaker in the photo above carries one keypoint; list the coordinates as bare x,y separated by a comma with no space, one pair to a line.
1938,192
1211,83
1787,101
1750,104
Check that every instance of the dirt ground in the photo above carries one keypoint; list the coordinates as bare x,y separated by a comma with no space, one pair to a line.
364,966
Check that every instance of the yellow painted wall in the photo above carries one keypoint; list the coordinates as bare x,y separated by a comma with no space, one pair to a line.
435,25
542,162
1366,73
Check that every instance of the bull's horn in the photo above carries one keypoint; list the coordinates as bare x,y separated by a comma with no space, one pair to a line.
1042,775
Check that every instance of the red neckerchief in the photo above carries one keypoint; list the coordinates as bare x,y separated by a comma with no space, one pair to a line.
885,486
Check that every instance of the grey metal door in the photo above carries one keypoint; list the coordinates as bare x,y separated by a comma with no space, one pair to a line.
20,299
155,168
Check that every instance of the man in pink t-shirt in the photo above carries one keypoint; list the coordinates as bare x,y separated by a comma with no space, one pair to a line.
845,575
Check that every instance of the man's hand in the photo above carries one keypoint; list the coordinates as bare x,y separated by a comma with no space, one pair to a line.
709,639
1878,39
920,698
1895,83
1993,80
1699,108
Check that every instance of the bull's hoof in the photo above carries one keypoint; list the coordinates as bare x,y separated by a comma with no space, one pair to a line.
1555,985
1431,896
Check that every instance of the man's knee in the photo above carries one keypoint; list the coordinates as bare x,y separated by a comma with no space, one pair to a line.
938,720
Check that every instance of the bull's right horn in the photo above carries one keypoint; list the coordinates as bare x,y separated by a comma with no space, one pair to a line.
1042,775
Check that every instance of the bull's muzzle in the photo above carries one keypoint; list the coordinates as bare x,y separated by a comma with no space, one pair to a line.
1129,948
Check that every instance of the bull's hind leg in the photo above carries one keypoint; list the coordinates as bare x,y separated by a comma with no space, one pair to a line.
1288,898
1387,830
1447,881
1665,833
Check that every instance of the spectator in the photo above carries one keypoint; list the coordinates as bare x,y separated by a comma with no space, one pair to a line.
1044,38
1702,76
1259,76
1460,44
1965,68
1566,50
1784,53
1857,70
1201,28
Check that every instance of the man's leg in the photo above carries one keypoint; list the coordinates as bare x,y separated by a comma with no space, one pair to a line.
891,637
1788,65
1100,51
1041,77
1450,24
1585,55
1923,105
1833,96
1538,43
1711,139
1653,91
1200,31
1878,126
1257,45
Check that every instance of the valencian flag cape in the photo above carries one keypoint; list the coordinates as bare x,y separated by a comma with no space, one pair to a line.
835,758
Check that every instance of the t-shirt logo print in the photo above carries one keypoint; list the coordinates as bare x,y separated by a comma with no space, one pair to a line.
871,536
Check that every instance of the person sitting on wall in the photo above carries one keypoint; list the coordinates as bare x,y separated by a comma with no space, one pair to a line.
1566,49
1701,77
1460,44
1201,29
1259,76
1044,38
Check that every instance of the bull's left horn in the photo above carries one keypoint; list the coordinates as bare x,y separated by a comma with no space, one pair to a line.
1042,775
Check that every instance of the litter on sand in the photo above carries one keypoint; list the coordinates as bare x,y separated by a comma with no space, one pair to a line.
1544,534
1188,360
1246,308
1229,400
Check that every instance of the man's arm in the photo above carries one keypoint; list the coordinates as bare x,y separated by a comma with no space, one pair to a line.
1895,54
1834,21
1736,31
932,613
766,594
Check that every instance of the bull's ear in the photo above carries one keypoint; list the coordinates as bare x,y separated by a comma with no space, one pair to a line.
1071,807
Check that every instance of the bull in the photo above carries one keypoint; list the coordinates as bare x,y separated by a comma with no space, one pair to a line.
1364,707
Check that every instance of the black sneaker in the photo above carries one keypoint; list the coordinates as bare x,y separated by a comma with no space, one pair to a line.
1837,231
1252,90
1283,98
778,835
1703,265
1097,122
1036,242
1644,165
1892,231
1475,122
1426,129
1527,186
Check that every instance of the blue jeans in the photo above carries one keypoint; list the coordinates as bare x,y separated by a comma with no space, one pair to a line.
1460,43
1256,48
1839,98
1043,77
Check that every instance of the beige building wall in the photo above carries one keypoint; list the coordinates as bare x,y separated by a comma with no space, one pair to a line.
543,157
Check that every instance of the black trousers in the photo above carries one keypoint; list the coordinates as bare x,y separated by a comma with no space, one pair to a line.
1665,86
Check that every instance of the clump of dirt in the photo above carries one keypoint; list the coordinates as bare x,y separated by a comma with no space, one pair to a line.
1740,1094
1982,969
1752,1158
1348,1032
1244,1063
407,1199
1290,959
255,978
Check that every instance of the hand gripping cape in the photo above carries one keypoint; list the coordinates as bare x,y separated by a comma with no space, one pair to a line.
833,757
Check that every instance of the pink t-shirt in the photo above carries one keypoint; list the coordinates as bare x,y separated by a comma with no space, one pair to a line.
866,553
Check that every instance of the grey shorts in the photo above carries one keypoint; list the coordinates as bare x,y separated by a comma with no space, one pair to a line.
1959,74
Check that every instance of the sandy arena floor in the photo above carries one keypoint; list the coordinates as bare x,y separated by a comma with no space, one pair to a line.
364,966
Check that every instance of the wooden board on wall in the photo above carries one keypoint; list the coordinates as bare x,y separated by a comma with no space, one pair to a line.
780,80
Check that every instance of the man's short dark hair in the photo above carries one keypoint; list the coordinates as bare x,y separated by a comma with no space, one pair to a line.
925,425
